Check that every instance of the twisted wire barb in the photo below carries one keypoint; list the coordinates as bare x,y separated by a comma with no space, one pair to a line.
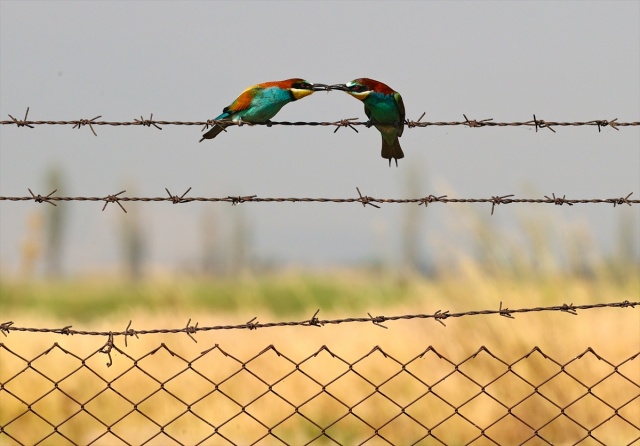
7,327
362,199
348,122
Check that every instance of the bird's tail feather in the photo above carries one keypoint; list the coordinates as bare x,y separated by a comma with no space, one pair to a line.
213,132
217,128
392,150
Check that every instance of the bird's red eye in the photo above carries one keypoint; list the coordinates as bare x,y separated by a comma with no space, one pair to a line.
358,88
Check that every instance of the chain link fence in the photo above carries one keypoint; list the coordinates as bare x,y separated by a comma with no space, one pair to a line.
163,397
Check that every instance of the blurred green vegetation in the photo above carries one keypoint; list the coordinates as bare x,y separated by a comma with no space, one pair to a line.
466,287
91,299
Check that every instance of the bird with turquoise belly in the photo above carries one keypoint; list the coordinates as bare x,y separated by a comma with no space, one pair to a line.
259,103
384,108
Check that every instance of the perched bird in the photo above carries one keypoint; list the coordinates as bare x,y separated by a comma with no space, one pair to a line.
261,102
385,110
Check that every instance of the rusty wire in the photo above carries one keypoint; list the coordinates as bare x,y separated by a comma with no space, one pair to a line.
189,329
240,402
322,426
362,199
348,122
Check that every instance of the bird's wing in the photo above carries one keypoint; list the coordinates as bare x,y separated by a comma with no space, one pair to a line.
400,104
243,101
368,112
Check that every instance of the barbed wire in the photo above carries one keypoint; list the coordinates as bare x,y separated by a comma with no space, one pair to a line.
362,199
189,329
348,122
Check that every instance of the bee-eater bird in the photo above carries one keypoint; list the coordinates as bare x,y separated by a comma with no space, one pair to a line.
259,103
385,110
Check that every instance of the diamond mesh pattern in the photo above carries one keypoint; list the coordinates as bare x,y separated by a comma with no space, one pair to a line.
58,397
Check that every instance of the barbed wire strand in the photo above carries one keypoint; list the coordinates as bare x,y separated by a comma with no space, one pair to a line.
348,122
189,329
362,199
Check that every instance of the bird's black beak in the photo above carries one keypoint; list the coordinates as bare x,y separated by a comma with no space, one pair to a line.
320,87
341,87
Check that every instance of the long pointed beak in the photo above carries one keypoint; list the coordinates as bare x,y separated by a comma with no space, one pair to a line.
320,87
341,87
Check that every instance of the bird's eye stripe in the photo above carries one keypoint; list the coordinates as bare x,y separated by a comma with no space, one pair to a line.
358,88
302,85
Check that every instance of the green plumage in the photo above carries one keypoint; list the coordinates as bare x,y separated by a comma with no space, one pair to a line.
384,108
387,109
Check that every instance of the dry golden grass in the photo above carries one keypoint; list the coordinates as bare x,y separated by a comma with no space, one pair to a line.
614,334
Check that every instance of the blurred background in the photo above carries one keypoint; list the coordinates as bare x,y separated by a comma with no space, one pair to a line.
160,265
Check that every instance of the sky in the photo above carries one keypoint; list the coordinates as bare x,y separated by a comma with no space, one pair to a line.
186,61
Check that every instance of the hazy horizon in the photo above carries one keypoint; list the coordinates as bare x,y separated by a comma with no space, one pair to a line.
564,61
